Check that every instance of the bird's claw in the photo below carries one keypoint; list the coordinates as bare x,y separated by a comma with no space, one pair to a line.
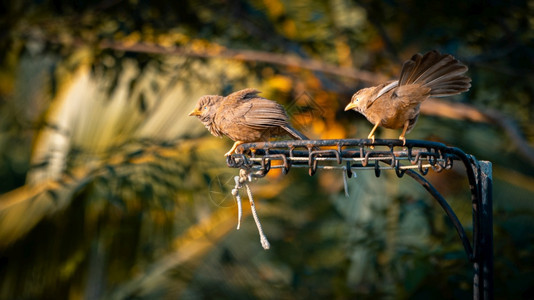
403,139
372,137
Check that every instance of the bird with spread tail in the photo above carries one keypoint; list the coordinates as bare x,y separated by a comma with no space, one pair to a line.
244,117
396,104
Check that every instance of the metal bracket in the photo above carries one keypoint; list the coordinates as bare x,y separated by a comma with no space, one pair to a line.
415,159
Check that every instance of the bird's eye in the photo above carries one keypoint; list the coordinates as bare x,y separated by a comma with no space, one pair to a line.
205,107
357,99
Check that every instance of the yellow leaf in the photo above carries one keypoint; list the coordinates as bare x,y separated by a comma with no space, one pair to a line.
281,83
275,8
290,28
334,131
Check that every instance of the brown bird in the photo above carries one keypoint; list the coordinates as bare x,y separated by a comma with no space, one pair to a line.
395,104
244,117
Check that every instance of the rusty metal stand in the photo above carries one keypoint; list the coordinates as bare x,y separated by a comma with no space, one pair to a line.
415,159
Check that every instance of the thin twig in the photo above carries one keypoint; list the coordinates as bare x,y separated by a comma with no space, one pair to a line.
235,192
263,239
239,181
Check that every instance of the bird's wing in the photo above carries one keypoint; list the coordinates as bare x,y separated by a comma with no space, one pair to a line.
264,113
256,113
244,94
388,86
410,94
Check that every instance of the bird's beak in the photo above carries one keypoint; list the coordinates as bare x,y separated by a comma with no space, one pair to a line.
195,112
350,106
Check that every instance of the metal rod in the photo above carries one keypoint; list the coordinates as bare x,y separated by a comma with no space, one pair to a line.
475,192
448,210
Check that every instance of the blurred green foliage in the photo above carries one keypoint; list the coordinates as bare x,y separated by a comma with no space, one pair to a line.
111,191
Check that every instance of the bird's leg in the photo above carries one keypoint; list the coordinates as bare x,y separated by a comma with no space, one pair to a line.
233,148
372,133
402,136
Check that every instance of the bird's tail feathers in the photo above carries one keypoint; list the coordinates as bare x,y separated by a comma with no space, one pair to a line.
295,133
442,73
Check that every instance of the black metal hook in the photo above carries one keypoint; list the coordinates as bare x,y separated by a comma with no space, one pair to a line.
377,169
349,169
400,172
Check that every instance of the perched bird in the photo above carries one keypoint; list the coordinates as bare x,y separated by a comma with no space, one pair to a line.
395,104
244,117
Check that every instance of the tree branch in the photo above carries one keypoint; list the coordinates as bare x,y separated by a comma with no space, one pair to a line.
249,55
461,111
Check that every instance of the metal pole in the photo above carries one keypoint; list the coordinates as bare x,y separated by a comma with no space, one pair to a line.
483,265
487,228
